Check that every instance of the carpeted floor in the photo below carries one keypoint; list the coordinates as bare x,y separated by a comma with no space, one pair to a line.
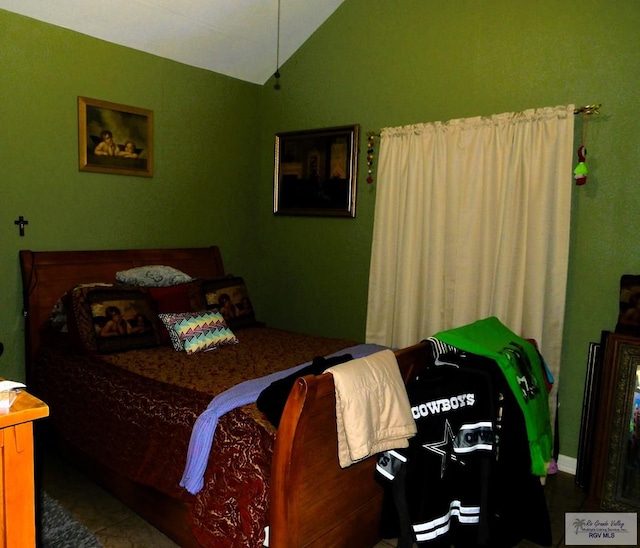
59,529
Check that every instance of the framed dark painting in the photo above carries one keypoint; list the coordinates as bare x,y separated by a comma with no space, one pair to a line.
629,311
316,172
114,138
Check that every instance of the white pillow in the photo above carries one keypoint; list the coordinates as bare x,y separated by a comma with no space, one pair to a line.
153,276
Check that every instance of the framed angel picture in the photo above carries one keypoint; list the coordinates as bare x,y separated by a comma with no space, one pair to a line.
114,138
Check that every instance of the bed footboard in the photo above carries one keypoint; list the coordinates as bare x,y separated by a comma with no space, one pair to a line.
314,502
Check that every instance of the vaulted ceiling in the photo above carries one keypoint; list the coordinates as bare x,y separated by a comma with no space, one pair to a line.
238,38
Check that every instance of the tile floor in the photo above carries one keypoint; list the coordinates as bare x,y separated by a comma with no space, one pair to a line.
113,524
116,526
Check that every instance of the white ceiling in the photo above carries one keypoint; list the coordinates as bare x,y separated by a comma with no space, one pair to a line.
233,37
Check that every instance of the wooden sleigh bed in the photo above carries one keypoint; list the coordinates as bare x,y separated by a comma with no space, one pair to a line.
308,499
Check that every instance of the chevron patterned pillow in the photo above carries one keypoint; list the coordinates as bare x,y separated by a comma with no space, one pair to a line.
198,331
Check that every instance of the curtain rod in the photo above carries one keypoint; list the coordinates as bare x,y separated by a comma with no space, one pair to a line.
586,109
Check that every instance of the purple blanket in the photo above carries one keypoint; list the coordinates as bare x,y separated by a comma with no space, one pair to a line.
242,394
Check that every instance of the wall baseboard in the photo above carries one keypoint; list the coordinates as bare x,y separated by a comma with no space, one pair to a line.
567,464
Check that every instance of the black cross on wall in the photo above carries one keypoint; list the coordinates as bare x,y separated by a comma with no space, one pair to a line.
21,222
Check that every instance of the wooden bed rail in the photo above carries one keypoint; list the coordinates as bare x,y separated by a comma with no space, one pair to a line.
313,501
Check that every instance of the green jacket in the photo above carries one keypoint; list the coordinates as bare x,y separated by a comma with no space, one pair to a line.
490,338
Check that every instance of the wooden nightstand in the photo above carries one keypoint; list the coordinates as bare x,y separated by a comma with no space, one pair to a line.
17,484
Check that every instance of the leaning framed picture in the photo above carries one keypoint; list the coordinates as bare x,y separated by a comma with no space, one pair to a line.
114,138
316,171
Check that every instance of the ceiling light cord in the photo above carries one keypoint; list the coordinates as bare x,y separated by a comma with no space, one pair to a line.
277,72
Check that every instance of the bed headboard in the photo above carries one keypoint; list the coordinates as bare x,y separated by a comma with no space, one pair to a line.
47,275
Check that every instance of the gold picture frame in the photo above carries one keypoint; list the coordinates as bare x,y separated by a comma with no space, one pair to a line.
114,138
316,172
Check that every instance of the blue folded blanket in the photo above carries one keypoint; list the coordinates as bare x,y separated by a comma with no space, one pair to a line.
242,394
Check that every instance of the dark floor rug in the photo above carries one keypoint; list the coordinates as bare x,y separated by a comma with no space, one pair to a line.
59,529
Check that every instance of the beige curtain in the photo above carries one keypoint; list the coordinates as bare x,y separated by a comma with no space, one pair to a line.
471,221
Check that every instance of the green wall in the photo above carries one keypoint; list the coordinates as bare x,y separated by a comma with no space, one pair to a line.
375,63
204,137
380,63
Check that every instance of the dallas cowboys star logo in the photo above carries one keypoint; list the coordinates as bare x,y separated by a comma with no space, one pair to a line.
444,448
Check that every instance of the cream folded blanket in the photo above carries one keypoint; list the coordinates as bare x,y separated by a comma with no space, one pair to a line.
372,407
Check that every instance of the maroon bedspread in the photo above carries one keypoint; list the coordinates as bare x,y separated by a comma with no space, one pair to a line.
134,412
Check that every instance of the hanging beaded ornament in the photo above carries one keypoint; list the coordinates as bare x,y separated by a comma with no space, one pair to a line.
370,144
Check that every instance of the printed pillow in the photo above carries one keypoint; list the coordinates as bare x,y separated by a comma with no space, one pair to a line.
123,319
113,319
198,331
153,276
629,314
79,320
230,296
